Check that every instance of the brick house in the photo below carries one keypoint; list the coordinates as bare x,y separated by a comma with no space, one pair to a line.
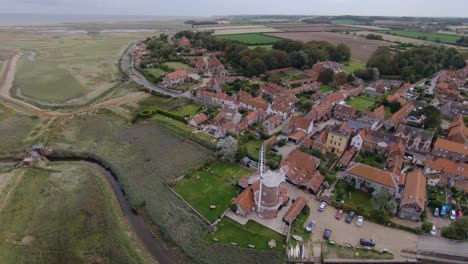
198,120
175,78
399,116
343,112
415,139
366,177
272,123
337,140
413,201
301,170
450,150
457,131
215,66
318,141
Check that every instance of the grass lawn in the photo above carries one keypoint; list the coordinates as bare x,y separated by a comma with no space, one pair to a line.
177,65
298,226
214,187
325,89
289,76
188,109
360,199
251,233
345,21
250,38
157,72
353,65
173,124
361,102
388,112
342,252
253,148
451,39
267,47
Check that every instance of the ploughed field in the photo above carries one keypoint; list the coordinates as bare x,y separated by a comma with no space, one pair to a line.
361,48
315,28
251,39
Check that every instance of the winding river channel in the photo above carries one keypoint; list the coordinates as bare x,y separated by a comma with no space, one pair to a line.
139,226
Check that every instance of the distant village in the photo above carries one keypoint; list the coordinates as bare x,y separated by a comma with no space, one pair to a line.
413,158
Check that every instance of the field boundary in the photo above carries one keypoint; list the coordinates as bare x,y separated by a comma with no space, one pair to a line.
192,208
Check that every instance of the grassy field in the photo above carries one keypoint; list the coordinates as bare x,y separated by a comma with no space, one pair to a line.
325,88
353,65
342,252
253,148
357,199
14,129
187,110
145,158
252,233
267,47
70,216
250,38
361,102
177,65
345,21
72,69
298,226
157,72
289,76
214,185
450,39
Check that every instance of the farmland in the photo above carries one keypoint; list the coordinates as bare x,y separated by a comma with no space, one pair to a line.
83,219
361,49
437,37
228,30
393,38
314,28
14,129
250,38
213,185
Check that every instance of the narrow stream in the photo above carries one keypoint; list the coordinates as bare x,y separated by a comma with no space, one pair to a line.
137,222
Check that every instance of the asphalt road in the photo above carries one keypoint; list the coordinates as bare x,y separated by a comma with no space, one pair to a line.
442,245
133,74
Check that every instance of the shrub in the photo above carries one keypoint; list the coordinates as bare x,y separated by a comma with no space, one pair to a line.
281,142
426,226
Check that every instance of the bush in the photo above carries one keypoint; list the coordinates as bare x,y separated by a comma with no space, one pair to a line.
426,226
330,178
282,142
457,229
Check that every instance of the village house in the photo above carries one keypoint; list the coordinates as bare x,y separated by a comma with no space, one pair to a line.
184,42
298,128
399,95
376,89
321,112
395,158
365,177
271,123
198,120
413,202
197,62
175,78
356,125
346,158
282,105
227,115
252,103
323,65
399,116
416,139
317,141
304,88
457,131
254,117
343,112
301,170
271,89
358,140
338,138
452,108
440,169
380,142
450,150
215,66
296,208
219,98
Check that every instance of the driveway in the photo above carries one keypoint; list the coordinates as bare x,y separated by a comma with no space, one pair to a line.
286,149
392,239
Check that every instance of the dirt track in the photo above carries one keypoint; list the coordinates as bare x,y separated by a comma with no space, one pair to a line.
6,83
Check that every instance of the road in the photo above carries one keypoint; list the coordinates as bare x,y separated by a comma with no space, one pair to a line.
127,66
442,246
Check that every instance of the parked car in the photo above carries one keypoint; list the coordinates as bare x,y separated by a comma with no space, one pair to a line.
433,230
436,212
360,221
310,226
339,214
445,208
453,215
459,214
322,206
327,234
350,217
367,242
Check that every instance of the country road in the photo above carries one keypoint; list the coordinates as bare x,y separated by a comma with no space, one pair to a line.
137,77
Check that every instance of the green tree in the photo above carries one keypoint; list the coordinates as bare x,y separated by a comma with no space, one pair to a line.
326,76
427,226
457,229
298,59
340,79
256,67
342,52
227,149
380,198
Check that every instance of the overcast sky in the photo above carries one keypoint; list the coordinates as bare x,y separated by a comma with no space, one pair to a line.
440,8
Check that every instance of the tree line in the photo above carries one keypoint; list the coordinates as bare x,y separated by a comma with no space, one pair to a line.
415,63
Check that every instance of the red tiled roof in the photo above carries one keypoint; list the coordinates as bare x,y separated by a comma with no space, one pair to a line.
448,166
372,174
200,118
415,189
451,146
298,135
295,209
245,200
176,74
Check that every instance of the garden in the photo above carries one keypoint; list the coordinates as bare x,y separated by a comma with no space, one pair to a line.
214,184
252,233
361,102
371,159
